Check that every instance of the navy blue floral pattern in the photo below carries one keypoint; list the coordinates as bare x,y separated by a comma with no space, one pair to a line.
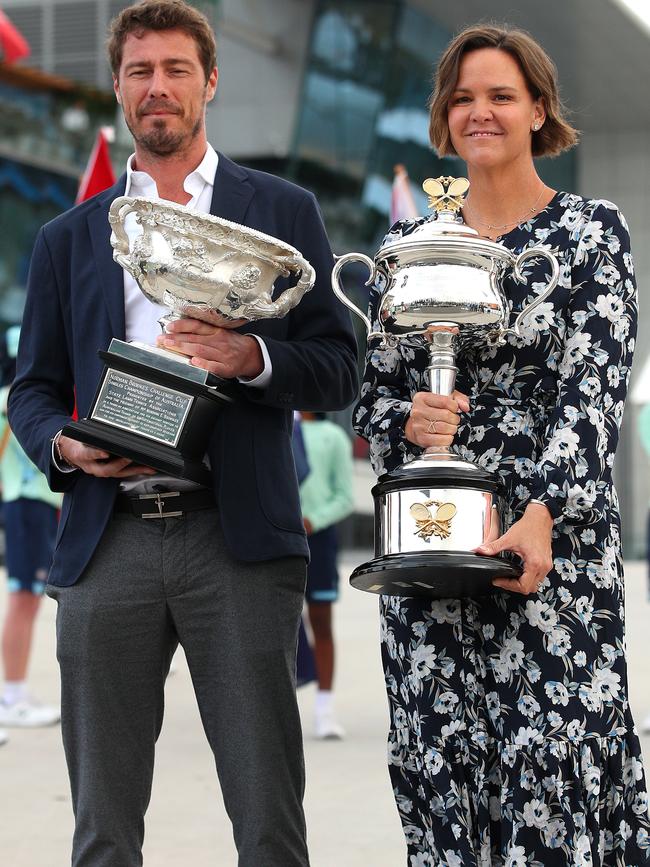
511,739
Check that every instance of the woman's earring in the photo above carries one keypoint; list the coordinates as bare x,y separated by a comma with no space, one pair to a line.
536,127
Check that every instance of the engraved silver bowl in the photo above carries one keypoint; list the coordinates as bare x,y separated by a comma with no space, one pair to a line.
205,267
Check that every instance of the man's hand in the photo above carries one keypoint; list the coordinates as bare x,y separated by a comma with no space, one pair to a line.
530,538
434,418
221,351
97,462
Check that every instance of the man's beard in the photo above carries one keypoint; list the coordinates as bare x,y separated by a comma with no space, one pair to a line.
161,141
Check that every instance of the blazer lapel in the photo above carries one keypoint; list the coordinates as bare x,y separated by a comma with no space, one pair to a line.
111,276
232,191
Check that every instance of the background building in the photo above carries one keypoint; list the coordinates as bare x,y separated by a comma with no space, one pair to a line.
332,93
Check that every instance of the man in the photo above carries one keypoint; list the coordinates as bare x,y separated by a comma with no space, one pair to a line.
226,579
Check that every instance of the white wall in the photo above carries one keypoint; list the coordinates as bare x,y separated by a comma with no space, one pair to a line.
261,53
616,166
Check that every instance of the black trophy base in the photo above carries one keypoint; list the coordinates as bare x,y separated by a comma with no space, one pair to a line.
142,452
155,409
439,575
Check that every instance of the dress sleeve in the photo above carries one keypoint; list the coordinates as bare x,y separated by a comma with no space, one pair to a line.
573,475
385,402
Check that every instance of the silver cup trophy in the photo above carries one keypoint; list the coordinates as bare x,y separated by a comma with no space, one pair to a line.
442,280
152,405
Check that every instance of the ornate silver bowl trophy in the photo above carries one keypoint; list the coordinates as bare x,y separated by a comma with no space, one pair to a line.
152,405
442,280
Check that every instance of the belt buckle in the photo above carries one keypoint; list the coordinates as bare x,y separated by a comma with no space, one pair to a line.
160,504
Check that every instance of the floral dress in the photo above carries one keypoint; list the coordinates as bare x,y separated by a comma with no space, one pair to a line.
511,739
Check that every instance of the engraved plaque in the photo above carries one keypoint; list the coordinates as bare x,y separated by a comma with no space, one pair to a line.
148,409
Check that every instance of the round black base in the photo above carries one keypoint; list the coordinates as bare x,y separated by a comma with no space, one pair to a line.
439,575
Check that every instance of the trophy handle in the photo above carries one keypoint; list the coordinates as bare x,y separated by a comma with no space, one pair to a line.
533,253
119,239
288,299
341,261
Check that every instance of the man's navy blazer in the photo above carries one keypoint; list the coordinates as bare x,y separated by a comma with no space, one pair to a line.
75,305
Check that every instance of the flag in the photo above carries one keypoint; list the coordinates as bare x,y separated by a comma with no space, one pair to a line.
99,174
13,44
402,203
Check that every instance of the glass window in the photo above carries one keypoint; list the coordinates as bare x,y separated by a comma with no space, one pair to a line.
29,197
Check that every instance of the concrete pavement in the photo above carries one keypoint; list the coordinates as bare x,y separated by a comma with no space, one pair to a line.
350,813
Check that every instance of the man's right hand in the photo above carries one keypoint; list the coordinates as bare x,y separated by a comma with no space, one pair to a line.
97,462
434,418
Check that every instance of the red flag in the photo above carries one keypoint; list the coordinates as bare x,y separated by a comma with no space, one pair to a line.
98,176
99,173
402,203
13,43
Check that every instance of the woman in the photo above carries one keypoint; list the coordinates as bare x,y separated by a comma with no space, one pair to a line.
511,738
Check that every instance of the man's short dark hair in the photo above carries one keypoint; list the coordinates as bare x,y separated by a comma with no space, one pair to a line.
162,15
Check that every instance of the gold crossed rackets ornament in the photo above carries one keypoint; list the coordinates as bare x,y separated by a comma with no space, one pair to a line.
429,524
446,193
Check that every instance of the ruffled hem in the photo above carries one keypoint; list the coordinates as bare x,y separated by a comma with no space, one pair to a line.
568,803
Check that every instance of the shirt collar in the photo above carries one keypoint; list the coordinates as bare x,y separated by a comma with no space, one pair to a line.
204,173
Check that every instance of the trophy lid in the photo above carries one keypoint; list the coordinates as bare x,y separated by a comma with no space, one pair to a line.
446,196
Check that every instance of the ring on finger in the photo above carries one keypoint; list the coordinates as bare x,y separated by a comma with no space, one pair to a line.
432,427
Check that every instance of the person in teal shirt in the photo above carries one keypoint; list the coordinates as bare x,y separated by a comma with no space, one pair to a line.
326,498
30,516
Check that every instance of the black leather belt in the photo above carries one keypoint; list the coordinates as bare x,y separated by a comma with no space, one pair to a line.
166,504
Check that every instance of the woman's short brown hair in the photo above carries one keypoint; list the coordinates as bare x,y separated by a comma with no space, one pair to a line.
555,135
162,15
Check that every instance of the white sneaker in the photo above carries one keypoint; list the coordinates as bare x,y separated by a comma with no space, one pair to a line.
28,714
4,737
645,725
327,728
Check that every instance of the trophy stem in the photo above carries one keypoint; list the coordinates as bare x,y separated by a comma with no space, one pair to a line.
164,322
167,318
442,372
442,368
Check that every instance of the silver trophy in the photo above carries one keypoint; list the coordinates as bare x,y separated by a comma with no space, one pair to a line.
152,405
445,281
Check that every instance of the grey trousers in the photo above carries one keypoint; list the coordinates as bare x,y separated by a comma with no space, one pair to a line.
150,585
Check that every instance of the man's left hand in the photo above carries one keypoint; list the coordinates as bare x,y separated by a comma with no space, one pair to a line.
222,351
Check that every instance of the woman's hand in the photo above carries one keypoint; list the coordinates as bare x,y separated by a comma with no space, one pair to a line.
434,418
530,538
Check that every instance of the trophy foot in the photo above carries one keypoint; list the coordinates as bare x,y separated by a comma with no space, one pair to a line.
161,351
436,575
152,362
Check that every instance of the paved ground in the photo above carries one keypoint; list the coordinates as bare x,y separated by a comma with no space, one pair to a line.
350,814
